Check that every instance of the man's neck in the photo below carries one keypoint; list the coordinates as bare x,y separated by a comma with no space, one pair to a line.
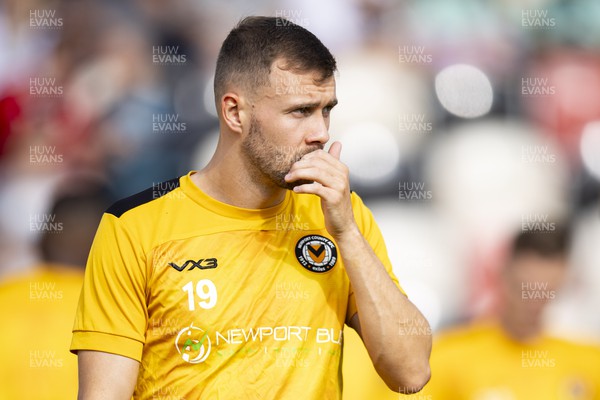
522,332
232,184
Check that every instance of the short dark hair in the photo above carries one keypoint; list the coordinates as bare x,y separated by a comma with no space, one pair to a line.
251,47
548,244
78,206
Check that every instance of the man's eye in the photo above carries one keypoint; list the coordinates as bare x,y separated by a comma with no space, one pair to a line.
327,111
303,111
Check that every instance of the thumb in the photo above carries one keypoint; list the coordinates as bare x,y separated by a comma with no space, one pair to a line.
335,150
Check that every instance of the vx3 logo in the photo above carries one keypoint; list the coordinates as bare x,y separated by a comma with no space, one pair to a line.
203,263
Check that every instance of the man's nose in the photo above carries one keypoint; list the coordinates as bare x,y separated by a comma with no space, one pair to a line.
319,131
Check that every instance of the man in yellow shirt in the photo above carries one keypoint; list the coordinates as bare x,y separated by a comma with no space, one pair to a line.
235,282
37,306
510,357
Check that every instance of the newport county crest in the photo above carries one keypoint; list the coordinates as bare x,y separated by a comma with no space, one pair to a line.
316,253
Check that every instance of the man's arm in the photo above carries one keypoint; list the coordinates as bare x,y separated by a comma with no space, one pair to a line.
106,376
111,316
400,356
395,333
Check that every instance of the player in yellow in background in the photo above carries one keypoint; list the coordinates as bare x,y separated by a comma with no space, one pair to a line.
235,282
37,306
361,381
511,358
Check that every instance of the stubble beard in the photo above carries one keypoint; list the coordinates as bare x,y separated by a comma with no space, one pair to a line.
272,162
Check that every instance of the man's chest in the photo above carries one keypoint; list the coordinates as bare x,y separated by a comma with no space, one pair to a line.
231,280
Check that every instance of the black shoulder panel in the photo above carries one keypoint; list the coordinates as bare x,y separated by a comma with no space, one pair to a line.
152,193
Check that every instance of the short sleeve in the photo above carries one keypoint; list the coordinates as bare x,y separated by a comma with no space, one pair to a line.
112,316
368,227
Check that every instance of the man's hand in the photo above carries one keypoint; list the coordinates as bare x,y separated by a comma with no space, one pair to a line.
329,180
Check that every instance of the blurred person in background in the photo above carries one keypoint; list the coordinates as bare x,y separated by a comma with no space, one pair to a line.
511,357
37,306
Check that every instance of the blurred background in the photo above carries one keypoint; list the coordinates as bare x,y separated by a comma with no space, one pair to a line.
463,124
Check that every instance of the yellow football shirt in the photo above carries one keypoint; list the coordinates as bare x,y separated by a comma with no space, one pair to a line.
36,310
220,302
481,362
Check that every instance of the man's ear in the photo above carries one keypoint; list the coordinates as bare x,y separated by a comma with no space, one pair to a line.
233,111
230,109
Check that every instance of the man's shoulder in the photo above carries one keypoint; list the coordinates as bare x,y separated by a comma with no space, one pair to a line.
145,197
582,347
467,334
310,205
316,200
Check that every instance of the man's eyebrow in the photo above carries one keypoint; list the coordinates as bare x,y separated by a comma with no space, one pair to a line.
315,104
